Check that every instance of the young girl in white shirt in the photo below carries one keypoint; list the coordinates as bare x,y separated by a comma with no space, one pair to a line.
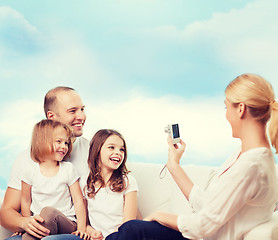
110,191
243,193
50,186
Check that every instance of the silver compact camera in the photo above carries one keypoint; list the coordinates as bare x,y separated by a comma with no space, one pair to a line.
173,131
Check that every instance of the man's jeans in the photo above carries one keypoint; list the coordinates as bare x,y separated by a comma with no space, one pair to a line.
51,237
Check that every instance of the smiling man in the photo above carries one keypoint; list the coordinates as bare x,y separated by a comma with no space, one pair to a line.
65,105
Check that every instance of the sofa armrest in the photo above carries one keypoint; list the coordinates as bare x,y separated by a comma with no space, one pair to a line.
4,233
265,231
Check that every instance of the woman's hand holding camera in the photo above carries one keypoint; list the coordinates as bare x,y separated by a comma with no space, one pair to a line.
175,152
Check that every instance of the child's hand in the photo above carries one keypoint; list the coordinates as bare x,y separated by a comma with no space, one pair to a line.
94,234
17,233
81,234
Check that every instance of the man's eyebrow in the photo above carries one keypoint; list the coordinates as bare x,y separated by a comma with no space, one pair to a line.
75,108
72,108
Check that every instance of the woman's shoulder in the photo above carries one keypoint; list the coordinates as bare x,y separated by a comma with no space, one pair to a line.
257,161
258,155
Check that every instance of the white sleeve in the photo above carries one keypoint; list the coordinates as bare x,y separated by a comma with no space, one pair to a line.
196,198
132,185
72,173
28,172
20,163
234,189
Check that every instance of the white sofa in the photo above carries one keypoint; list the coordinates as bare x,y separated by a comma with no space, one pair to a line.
163,195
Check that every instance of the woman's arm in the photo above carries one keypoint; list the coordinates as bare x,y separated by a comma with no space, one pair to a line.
79,206
26,199
173,164
165,219
130,206
175,153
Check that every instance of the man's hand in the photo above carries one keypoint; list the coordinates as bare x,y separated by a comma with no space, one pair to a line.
32,226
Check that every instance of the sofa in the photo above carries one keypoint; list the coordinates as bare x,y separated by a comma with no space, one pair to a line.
158,192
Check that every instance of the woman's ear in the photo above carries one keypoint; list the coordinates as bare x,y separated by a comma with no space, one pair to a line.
241,109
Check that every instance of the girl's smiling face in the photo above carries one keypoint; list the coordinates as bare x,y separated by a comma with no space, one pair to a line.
112,153
60,144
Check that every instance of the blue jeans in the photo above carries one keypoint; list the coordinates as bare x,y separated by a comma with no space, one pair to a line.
51,237
62,237
16,237
143,230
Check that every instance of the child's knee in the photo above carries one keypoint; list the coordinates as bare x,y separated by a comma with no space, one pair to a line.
48,213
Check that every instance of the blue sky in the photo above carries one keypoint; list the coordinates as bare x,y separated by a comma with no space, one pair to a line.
137,65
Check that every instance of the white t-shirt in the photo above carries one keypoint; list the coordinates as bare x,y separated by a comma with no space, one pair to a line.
78,158
241,196
106,208
51,191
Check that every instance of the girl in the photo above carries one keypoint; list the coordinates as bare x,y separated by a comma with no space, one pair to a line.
53,183
110,192
244,192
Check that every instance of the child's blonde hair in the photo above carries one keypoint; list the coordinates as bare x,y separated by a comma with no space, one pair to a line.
42,138
258,96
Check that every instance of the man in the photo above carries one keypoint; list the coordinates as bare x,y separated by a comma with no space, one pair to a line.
65,105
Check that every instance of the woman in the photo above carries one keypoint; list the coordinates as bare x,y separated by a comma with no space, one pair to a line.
244,192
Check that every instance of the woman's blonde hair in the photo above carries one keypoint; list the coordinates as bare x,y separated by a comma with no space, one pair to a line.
42,139
258,96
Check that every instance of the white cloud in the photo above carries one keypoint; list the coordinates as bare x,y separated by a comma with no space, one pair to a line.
2,194
31,55
244,39
142,120
17,35
10,17
19,117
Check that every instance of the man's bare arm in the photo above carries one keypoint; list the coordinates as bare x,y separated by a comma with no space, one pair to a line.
11,218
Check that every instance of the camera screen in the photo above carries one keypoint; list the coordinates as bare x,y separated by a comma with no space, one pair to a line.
176,133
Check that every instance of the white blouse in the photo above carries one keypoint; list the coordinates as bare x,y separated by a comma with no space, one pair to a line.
241,196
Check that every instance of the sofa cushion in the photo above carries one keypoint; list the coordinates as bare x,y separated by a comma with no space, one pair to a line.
154,192
268,230
200,175
163,194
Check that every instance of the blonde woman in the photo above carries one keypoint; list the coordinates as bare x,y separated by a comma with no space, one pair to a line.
244,192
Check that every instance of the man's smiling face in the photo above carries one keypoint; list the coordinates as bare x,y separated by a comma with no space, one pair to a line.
69,109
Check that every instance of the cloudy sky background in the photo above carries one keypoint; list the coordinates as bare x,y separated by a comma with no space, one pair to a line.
137,65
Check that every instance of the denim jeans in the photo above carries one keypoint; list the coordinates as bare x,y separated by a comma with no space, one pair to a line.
62,237
17,237
51,237
143,230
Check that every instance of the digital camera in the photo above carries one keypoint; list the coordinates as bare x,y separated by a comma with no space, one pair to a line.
173,131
